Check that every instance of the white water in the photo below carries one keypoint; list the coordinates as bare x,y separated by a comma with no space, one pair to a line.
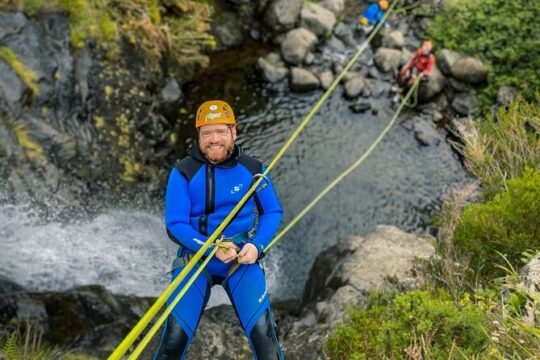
127,252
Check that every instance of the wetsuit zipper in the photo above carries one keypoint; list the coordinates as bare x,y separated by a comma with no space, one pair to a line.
209,205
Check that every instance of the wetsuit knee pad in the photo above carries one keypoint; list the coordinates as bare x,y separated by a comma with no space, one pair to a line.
264,339
174,342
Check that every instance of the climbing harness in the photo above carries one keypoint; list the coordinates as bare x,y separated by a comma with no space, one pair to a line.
124,346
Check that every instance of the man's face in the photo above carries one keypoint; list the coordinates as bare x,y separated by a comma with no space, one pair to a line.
216,141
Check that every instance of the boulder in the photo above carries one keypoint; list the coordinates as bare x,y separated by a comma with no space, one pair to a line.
465,104
469,70
310,58
354,86
334,311
446,59
11,23
335,6
530,284
296,45
303,80
393,39
334,45
426,133
506,94
317,19
228,31
387,59
272,68
365,263
345,33
171,92
282,15
326,78
433,86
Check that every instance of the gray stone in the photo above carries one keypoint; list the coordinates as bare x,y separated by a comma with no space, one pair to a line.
393,39
406,55
433,86
272,71
317,19
334,311
446,59
228,31
360,107
11,86
506,94
297,44
354,86
171,92
465,104
335,45
326,78
282,15
345,34
11,23
310,58
469,70
335,6
426,133
458,85
387,59
530,284
303,80
365,263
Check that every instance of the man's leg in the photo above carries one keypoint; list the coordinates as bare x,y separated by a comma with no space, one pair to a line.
180,327
246,288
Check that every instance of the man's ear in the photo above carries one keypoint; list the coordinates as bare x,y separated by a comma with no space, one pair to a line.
233,131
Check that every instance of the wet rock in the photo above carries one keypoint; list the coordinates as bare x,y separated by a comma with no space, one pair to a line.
303,80
272,67
228,31
297,44
335,45
354,87
360,107
7,286
393,39
426,133
171,92
12,88
335,6
11,23
345,33
326,78
446,59
469,70
433,86
465,104
282,15
387,59
317,19
366,262
506,94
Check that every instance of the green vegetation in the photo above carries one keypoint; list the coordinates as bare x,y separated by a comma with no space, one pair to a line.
502,33
417,325
28,346
25,74
509,224
501,147
175,30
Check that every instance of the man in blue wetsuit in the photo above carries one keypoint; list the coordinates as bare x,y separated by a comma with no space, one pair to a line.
202,190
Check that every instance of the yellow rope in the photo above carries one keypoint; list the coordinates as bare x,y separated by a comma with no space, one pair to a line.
150,314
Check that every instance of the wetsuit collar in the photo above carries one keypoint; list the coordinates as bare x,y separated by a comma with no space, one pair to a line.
229,162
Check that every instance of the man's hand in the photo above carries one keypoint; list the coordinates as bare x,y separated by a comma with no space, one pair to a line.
248,255
229,255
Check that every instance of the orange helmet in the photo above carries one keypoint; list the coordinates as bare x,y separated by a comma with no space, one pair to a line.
214,112
383,4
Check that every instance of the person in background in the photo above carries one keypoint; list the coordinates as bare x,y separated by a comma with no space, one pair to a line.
419,65
373,15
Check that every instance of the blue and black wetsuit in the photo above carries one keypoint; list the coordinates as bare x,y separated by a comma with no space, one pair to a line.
199,197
